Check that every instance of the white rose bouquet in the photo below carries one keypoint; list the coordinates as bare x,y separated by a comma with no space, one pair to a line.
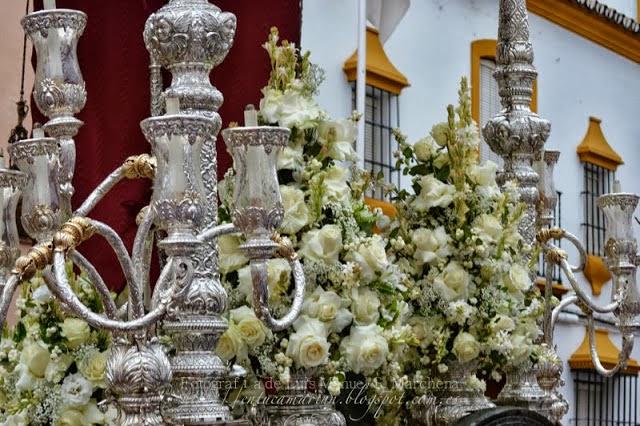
456,239
52,366
353,293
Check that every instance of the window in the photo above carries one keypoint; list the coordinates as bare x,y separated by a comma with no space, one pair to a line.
557,222
485,98
381,117
597,181
489,106
605,401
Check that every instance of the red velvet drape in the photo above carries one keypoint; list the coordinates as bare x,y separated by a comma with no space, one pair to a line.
115,64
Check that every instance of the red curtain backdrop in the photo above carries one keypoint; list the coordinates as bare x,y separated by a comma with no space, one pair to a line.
115,63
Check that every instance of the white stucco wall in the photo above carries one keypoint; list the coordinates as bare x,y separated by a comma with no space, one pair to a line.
431,47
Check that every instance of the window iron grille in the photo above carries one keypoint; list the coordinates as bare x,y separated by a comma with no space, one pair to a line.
597,181
382,115
607,401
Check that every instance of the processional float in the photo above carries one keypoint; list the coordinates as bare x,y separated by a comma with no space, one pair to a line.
189,38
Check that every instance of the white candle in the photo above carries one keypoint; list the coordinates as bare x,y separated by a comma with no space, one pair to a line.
55,54
173,106
41,169
49,4
38,133
250,116
617,188
177,177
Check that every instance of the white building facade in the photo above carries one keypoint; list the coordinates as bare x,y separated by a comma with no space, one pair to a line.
588,59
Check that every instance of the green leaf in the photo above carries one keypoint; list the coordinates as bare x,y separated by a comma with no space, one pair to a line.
20,333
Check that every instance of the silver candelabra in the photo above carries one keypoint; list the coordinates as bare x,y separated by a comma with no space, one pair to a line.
518,135
188,38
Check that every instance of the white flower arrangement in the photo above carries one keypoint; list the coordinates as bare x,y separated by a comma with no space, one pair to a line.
52,366
353,293
455,238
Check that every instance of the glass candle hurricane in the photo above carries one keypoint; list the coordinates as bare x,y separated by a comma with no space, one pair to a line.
59,88
38,159
11,184
178,193
257,209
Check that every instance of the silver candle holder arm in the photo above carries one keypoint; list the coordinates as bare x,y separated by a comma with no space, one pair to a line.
188,301
518,135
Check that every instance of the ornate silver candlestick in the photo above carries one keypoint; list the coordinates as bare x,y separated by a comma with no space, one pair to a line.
59,89
188,37
11,185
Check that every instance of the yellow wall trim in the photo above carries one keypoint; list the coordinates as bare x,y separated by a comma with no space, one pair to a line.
595,149
607,351
557,289
597,273
591,26
486,49
381,73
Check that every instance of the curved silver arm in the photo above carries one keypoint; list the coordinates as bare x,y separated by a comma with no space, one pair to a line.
261,294
564,265
582,253
135,293
98,194
110,308
141,255
215,232
7,296
568,300
63,292
623,356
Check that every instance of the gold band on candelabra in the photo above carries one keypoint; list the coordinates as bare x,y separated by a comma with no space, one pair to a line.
285,247
141,214
140,166
35,260
556,256
72,233
545,235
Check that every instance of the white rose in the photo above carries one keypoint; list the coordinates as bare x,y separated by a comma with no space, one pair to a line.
335,386
433,193
425,148
308,346
252,330
322,245
270,104
488,226
371,257
484,174
291,158
230,256
338,137
431,244
517,280
93,367
18,419
465,347
329,308
502,322
76,390
439,133
36,358
335,184
76,331
296,213
26,380
365,349
365,306
452,282
458,312
422,330
528,328
71,417
231,344
278,278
